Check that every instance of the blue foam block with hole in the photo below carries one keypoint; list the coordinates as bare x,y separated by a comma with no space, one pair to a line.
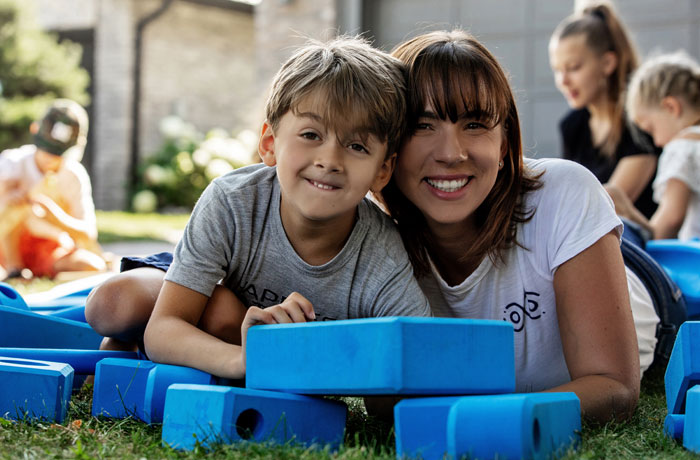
683,369
9,297
673,425
681,260
82,361
207,414
535,425
383,356
26,329
691,426
34,389
132,387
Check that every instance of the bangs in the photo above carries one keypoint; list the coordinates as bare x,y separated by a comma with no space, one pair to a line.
455,84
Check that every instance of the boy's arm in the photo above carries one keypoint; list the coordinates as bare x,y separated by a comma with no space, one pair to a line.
669,217
172,336
77,229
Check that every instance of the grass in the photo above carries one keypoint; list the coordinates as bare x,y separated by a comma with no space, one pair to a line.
82,436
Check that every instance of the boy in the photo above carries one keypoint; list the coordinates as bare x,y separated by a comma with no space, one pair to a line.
47,217
299,222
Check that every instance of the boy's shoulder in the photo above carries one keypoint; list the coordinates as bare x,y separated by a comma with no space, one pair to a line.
382,233
256,175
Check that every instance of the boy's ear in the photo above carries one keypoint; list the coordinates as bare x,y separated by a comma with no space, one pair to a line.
34,128
384,174
672,105
266,145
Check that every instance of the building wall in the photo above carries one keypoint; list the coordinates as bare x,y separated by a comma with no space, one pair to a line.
517,32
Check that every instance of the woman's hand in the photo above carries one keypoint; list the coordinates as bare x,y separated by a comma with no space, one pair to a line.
294,309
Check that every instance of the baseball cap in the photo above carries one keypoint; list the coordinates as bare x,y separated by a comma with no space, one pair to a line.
63,125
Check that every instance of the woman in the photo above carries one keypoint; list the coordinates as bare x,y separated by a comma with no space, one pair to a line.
592,58
491,235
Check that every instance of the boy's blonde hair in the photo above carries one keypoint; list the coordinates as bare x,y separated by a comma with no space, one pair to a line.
674,74
362,89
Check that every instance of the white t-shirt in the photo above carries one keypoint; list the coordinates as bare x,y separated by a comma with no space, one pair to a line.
572,212
69,186
681,160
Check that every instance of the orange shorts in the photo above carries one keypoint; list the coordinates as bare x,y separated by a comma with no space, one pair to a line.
37,254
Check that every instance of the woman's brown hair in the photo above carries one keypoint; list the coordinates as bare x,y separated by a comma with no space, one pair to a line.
603,32
450,72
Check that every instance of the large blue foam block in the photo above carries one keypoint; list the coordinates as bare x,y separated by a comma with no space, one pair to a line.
9,297
33,389
207,414
26,329
132,387
691,427
383,356
82,361
683,369
674,425
535,425
681,260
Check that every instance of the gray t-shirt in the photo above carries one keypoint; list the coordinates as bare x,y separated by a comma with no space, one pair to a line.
235,235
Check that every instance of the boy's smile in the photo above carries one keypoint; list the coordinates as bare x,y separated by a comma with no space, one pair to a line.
323,174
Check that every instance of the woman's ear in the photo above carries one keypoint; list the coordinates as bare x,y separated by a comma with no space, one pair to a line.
609,61
384,174
266,145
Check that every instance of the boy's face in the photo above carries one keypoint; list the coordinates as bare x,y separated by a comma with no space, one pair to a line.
323,175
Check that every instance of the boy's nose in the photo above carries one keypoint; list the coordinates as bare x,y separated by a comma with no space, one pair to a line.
330,158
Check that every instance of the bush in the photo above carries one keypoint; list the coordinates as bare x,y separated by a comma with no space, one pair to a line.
177,174
34,70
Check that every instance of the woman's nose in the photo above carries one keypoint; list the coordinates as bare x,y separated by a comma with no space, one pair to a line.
451,148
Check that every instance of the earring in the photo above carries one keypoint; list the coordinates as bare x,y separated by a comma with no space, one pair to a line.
500,164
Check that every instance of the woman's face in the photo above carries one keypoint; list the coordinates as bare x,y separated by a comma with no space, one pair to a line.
579,73
448,169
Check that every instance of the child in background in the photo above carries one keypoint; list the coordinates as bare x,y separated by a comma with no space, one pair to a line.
592,57
294,234
47,216
664,99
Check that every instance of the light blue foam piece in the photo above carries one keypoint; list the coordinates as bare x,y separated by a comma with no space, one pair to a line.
383,356
132,387
513,426
691,426
34,389
26,329
681,260
208,414
82,361
673,425
683,369
9,297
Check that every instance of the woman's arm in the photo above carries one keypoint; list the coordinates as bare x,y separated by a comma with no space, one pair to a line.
669,217
597,331
633,173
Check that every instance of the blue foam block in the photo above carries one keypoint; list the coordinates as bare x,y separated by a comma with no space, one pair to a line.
82,361
76,313
207,414
535,425
132,387
9,297
691,427
383,356
673,425
56,305
683,369
26,329
33,389
681,260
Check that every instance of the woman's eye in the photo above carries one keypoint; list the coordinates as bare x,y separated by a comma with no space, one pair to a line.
475,125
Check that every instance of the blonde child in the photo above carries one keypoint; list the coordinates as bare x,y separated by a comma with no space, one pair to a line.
664,99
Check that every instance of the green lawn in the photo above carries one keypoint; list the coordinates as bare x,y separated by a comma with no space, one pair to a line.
83,436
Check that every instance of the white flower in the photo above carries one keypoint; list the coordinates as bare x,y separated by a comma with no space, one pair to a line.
217,167
184,163
249,139
144,201
201,157
155,175
172,127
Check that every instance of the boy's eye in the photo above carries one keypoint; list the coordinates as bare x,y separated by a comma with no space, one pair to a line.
310,135
422,126
358,148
